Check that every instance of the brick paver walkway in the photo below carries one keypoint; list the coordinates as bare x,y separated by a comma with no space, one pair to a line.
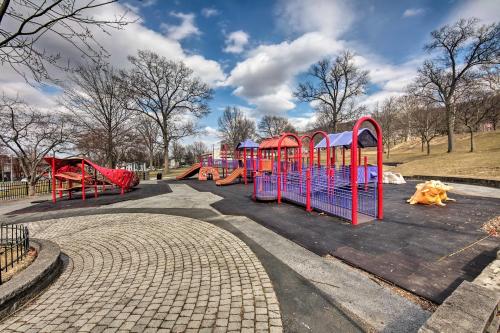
147,272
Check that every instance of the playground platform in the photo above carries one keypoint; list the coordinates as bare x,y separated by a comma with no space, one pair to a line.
426,250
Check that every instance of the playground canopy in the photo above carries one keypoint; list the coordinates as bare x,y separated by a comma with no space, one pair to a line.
71,169
272,143
249,144
366,139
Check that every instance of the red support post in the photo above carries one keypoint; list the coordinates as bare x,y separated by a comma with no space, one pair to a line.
254,195
354,169
245,165
53,166
279,159
366,172
308,190
83,179
95,183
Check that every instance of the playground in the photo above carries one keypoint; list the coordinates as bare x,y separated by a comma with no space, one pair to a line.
316,197
349,214
319,191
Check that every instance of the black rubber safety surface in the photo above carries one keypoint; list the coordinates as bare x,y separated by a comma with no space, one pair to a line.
110,196
427,250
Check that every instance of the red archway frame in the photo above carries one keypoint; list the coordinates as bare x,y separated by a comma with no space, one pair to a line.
299,158
311,149
302,138
354,169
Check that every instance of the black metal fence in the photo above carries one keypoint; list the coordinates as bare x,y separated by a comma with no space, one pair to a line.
143,175
14,246
15,190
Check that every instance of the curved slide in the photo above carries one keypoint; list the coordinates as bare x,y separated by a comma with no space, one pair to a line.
231,178
193,170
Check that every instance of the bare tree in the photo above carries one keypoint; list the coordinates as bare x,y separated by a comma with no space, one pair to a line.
270,126
492,83
198,148
30,134
169,93
474,105
463,49
235,127
427,122
97,98
387,117
336,88
24,24
178,152
150,134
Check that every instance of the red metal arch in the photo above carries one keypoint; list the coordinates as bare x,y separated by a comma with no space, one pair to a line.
354,168
311,149
299,157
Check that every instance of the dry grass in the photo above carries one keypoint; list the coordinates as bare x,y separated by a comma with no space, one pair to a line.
19,266
483,163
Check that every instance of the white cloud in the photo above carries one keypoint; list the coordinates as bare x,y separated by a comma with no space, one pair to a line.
119,44
236,41
266,77
185,29
485,10
209,12
330,17
410,12
304,122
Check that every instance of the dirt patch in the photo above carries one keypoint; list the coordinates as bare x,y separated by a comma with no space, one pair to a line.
20,265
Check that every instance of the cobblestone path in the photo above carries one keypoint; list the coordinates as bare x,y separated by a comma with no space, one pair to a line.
147,272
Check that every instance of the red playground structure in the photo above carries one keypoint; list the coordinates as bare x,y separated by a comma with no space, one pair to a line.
79,174
353,192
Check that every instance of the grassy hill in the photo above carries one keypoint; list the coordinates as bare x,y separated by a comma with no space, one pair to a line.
483,163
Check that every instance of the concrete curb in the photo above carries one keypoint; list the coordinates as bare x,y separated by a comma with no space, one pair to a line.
31,281
471,181
472,307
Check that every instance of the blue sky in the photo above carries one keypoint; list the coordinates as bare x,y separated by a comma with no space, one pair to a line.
387,35
253,53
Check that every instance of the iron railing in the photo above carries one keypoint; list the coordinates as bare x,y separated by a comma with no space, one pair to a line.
14,246
20,189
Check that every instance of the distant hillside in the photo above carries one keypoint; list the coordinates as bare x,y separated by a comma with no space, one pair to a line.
483,163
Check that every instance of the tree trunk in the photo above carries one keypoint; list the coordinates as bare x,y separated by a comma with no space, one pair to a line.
109,151
151,159
31,188
165,158
428,147
450,122
388,150
471,140
422,146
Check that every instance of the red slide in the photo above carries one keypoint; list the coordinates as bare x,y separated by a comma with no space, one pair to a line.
193,170
231,178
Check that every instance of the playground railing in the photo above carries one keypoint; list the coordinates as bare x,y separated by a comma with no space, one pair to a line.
294,187
14,246
266,187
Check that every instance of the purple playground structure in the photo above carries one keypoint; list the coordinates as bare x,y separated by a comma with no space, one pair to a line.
283,171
